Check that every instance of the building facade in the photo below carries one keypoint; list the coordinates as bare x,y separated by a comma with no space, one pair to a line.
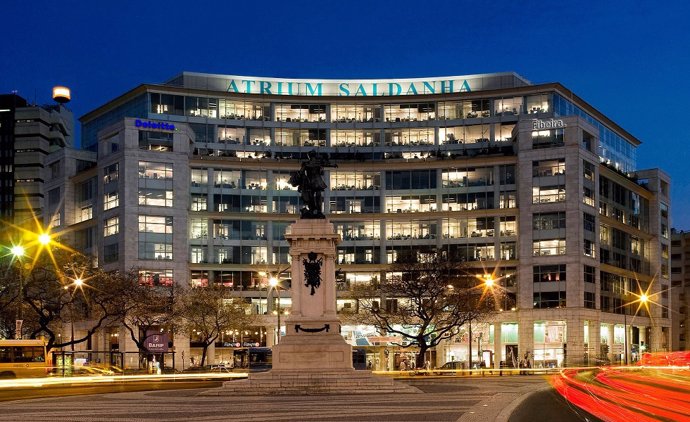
680,288
28,134
527,182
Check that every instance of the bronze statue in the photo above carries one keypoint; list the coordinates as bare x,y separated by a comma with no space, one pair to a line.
310,183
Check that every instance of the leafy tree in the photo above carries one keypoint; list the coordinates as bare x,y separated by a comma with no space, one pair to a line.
146,308
207,312
435,298
9,298
52,297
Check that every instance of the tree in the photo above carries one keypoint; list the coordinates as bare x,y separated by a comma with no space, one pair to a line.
208,312
52,297
435,298
9,298
145,308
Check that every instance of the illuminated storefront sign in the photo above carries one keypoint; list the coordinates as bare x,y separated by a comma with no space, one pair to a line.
348,88
538,124
154,125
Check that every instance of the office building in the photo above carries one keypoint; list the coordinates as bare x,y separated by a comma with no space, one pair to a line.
525,181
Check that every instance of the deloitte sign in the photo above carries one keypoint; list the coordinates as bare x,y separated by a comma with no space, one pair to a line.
154,125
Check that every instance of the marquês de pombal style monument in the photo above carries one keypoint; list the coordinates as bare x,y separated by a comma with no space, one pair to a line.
312,357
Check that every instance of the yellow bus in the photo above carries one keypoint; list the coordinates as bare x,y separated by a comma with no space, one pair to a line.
23,359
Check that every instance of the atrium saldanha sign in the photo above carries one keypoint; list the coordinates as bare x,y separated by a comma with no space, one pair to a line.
348,88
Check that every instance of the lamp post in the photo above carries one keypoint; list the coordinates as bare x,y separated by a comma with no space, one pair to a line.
18,252
487,284
77,283
642,299
274,283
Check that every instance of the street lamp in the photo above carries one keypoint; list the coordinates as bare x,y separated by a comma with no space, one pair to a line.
274,283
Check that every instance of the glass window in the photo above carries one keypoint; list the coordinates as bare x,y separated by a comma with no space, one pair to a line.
547,138
111,173
546,300
156,277
545,168
198,228
548,273
589,222
155,197
545,194
199,177
110,200
155,224
548,221
111,226
199,202
152,170
548,247
111,253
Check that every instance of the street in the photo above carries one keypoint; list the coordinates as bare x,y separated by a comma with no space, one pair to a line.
443,399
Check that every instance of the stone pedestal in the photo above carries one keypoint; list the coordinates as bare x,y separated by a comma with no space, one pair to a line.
312,357
312,338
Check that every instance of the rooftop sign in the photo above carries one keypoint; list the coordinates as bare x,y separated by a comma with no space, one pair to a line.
347,88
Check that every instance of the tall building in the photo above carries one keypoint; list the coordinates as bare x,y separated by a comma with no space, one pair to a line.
680,288
28,134
526,181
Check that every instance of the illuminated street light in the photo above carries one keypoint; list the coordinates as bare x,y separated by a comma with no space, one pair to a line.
44,239
18,251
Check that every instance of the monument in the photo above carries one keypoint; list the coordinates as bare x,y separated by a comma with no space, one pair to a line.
312,357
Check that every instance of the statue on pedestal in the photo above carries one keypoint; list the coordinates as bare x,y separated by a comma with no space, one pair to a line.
310,183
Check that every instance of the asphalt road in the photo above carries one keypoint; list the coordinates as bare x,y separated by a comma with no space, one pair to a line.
548,405
442,399
78,389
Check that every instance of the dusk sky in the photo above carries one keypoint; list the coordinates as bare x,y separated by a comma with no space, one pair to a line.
630,60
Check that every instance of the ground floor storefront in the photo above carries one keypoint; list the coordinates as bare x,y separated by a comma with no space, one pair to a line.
552,339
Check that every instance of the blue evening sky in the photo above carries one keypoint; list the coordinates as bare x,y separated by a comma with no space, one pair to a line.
630,60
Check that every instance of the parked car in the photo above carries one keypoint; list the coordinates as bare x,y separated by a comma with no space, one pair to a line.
450,368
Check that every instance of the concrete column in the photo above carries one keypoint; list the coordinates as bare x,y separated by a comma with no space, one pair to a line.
525,336
594,340
498,346
656,342
575,341
611,341
182,353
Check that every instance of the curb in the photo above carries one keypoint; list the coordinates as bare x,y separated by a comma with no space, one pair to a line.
508,410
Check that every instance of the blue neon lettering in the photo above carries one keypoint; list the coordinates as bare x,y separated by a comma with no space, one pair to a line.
361,91
429,89
344,90
449,84
465,87
154,125
412,90
232,86
249,86
318,91
397,87
265,87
